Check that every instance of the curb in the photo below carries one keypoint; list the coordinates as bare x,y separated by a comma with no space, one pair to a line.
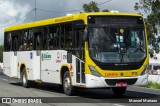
147,88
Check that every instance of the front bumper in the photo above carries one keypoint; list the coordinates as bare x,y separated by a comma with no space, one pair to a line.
99,82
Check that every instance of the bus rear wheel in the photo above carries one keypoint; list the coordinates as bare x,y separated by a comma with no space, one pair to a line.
119,91
67,87
25,82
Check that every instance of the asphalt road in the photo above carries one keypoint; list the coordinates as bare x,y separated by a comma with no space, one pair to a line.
10,87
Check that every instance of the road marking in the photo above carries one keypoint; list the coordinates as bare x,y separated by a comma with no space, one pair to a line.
93,99
4,79
118,105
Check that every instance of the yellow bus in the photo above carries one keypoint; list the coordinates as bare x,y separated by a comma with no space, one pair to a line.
87,50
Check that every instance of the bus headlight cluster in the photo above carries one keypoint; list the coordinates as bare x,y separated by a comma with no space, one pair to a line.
94,71
145,70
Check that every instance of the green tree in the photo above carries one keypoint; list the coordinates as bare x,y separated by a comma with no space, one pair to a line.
152,9
1,53
92,7
106,10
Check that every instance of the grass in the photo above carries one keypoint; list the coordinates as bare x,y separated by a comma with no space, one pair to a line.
153,85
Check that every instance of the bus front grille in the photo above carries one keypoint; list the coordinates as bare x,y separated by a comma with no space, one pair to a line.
114,81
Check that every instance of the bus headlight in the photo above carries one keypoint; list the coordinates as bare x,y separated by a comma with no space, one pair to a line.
94,71
145,70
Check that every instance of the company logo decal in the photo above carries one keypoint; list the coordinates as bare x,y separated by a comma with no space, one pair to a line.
46,56
111,74
59,58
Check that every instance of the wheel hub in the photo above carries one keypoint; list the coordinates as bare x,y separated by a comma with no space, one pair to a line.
67,83
24,79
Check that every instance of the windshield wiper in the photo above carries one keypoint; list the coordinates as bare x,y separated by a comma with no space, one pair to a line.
137,49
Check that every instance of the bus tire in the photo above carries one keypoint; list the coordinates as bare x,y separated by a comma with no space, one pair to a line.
119,91
25,82
67,87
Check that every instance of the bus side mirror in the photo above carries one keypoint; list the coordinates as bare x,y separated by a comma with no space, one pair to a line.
85,35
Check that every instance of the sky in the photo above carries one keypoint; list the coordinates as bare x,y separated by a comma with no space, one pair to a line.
15,12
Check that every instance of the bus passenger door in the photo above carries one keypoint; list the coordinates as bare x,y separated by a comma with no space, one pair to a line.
78,59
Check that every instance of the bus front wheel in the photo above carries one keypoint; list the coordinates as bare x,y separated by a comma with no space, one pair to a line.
68,88
25,81
119,90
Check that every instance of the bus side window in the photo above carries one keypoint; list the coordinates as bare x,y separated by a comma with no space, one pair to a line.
20,47
38,42
29,39
23,40
51,42
25,43
62,36
61,31
10,42
69,40
15,43
45,34
20,41
79,44
53,39
67,36
37,34
7,41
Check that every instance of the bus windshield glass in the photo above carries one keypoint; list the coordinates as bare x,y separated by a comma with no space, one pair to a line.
120,42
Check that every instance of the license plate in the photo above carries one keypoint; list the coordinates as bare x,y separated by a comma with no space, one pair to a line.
121,84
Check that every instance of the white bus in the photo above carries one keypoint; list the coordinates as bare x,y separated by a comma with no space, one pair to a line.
89,50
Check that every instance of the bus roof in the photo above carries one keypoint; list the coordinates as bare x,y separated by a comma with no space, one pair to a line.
74,17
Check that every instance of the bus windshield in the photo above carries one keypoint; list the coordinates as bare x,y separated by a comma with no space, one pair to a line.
117,44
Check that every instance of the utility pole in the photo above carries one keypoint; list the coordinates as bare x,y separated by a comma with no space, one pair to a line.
35,10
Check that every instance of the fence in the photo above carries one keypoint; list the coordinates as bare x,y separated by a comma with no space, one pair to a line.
154,78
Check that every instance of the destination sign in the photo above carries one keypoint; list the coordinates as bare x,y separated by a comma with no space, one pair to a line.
117,20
